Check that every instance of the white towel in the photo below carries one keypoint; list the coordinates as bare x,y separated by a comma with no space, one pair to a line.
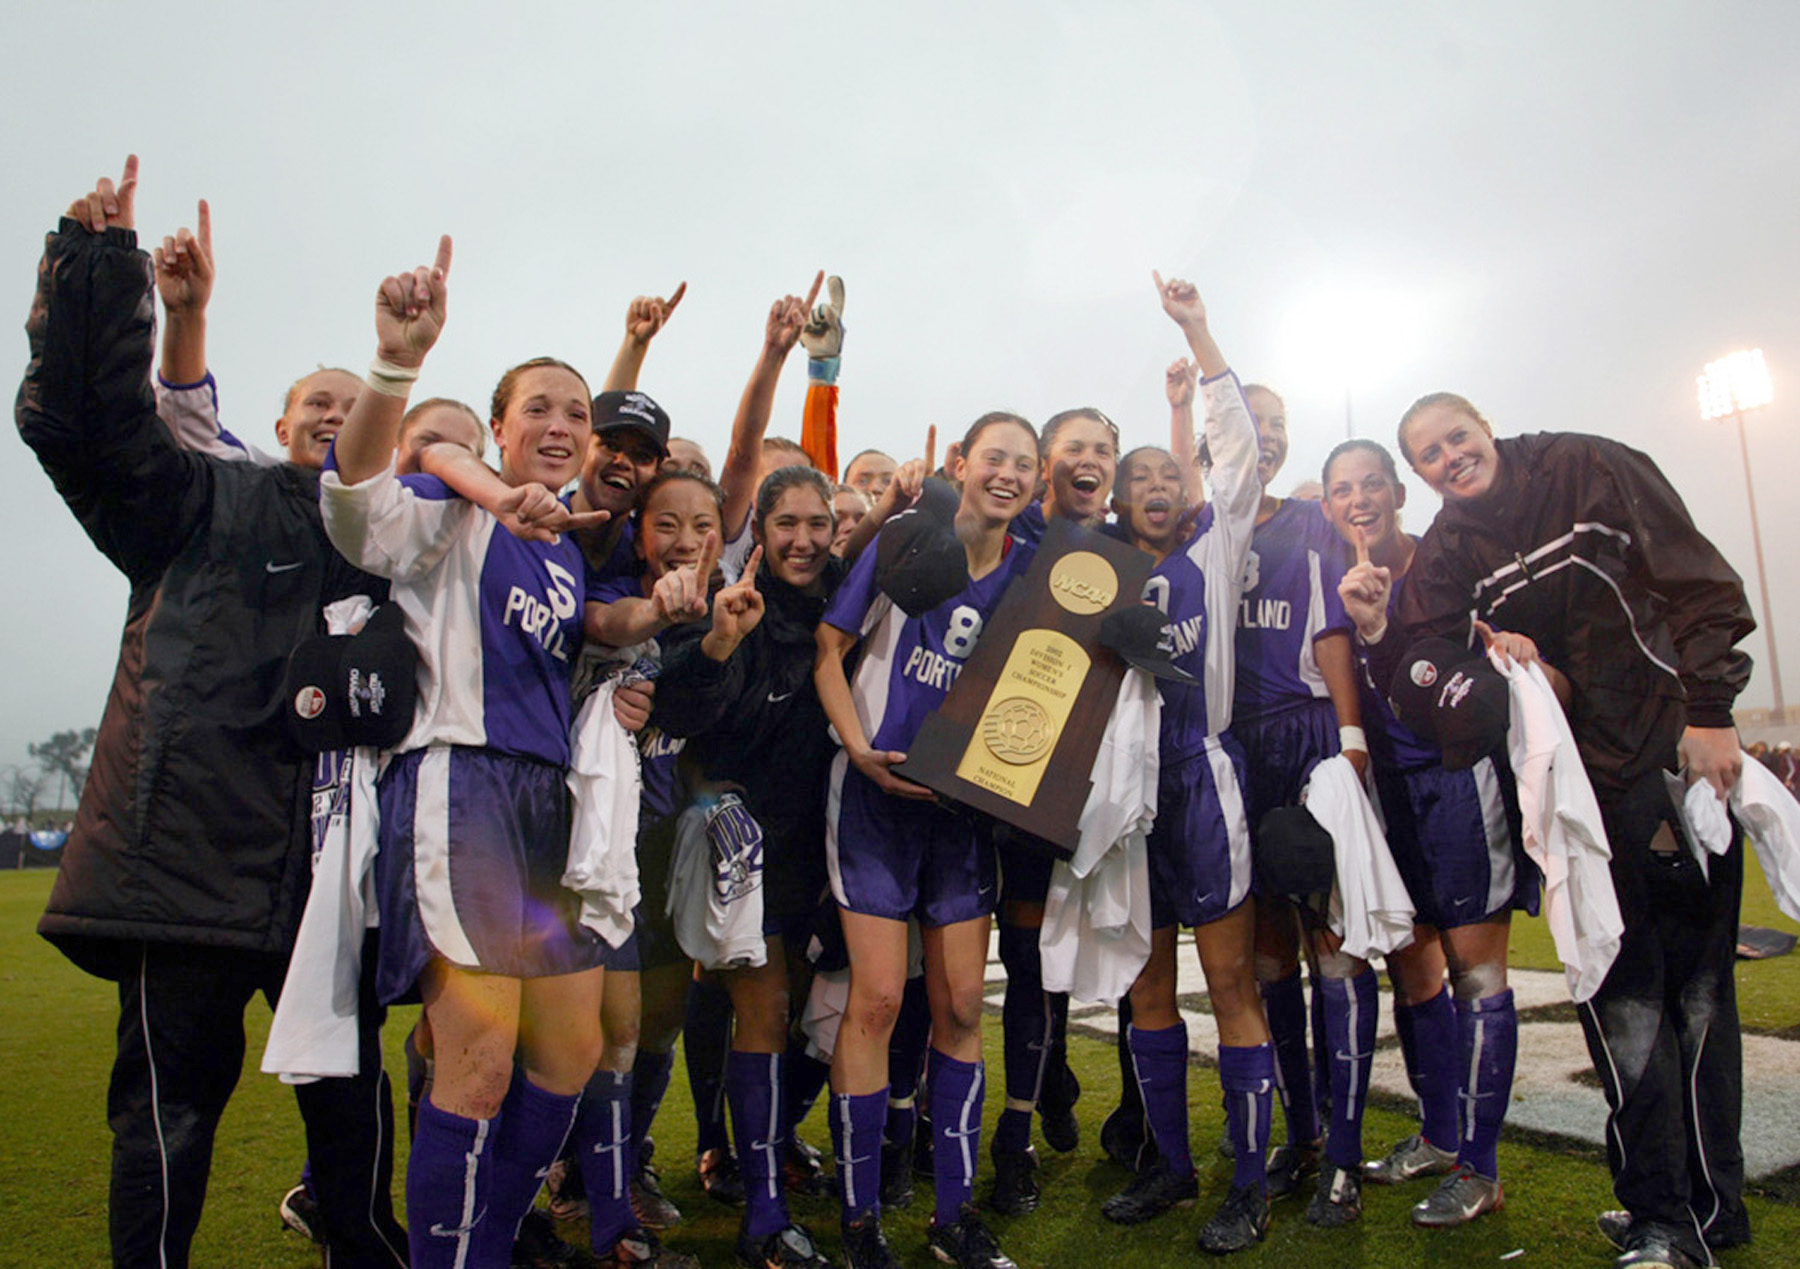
1563,832
605,786
1770,815
1371,909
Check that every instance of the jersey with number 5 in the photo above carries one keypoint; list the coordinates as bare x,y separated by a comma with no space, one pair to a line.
908,664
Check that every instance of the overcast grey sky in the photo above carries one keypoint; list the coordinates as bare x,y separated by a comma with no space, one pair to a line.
1560,210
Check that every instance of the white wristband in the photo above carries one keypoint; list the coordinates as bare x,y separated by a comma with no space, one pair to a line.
391,380
1369,641
1353,738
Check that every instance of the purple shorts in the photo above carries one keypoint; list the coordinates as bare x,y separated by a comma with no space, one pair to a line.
895,857
473,846
1454,836
1199,847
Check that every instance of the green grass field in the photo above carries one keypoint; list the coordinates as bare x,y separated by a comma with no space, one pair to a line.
56,1048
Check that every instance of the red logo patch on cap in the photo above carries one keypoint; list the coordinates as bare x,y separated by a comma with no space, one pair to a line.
309,703
1423,673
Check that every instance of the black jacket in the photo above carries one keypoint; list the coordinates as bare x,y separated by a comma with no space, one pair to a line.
755,719
1585,546
192,827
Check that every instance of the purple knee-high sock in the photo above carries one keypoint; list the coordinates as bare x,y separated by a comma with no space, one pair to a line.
1488,1030
533,1126
957,1089
856,1120
603,1143
1350,1015
1321,1048
448,1175
649,1084
753,1087
1159,1059
706,1038
1285,1004
1428,1041
1247,1078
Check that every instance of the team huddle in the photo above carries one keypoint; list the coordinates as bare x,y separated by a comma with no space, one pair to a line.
593,753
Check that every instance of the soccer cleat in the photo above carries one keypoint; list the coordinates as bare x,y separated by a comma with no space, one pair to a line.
1615,1227
1242,1221
1459,1199
896,1176
1408,1161
538,1247
568,1201
649,1204
1289,1165
1652,1248
639,1249
865,1247
967,1243
1015,1182
300,1213
1151,1193
802,1168
1056,1110
720,1177
1338,1199
790,1248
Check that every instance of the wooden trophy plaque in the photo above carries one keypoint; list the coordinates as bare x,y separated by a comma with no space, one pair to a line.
1017,735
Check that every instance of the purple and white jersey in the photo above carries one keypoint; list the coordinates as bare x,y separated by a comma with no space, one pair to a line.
1198,586
497,621
1391,745
909,663
1290,598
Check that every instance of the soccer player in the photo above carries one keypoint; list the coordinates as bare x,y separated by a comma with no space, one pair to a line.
1455,838
894,851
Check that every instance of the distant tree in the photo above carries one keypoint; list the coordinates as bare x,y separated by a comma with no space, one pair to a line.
63,755
20,789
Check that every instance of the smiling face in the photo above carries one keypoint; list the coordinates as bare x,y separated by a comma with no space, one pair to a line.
998,471
677,517
1360,495
616,467
1452,451
1150,498
1271,432
316,409
541,433
1079,467
796,535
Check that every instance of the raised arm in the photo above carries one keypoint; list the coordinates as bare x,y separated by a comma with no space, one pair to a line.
1230,431
647,315
184,282
86,408
824,338
409,317
743,457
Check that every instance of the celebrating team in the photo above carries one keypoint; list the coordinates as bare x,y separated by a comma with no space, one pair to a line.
653,756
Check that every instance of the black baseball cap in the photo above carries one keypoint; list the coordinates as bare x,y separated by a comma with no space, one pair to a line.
1143,637
349,690
919,560
1454,697
1294,854
614,410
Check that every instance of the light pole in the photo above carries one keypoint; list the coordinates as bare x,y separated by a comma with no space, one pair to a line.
1729,387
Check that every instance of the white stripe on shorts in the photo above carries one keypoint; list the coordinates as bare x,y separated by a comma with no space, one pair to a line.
431,860
1501,878
1231,810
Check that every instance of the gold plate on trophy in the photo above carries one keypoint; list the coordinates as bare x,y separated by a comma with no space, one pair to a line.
1032,698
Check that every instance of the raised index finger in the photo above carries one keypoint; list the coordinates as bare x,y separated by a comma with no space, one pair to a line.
441,266
1159,281
709,556
670,303
1360,537
748,578
931,449
203,228
818,281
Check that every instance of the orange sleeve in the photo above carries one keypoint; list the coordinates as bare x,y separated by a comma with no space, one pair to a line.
818,427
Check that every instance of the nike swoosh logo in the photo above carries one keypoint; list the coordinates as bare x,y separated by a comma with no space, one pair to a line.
774,699
284,568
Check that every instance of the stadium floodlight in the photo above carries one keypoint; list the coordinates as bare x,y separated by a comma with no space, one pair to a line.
1734,384
1729,387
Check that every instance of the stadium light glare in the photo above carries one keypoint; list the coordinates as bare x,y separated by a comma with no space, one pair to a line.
1735,383
1728,387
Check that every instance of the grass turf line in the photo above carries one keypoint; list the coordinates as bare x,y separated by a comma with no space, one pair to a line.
56,1029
